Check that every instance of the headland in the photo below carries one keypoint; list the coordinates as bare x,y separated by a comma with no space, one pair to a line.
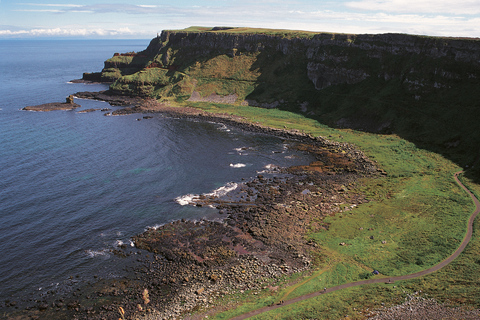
346,212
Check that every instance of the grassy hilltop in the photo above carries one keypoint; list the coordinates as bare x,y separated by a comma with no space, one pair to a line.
412,102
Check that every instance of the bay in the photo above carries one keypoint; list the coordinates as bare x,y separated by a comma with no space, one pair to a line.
75,186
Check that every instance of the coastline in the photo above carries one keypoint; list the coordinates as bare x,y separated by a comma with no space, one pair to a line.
186,265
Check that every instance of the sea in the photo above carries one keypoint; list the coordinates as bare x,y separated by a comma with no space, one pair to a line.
75,186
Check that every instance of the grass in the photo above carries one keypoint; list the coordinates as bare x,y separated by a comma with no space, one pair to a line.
417,209
239,30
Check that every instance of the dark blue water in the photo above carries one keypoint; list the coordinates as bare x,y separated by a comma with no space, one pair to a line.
73,186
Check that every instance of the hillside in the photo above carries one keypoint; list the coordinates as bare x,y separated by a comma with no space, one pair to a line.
420,88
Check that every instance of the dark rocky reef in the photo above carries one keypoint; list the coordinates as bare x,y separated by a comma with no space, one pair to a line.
52,106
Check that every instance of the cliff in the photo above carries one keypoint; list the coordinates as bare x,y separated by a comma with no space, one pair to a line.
422,88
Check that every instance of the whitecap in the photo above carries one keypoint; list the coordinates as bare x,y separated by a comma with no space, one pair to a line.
223,190
223,127
220,192
97,253
186,199
155,227
271,166
237,165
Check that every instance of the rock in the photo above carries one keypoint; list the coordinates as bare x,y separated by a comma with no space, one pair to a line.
42,306
52,106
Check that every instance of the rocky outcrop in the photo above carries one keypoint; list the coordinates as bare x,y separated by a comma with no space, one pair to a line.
69,104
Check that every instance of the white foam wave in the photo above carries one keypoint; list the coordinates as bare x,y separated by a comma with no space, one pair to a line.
155,227
186,199
223,128
97,253
237,165
220,192
271,166
223,190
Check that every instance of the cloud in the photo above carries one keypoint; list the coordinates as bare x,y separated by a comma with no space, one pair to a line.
96,8
355,16
457,7
67,32
51,5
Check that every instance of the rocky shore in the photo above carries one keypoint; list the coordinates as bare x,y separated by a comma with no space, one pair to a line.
185,267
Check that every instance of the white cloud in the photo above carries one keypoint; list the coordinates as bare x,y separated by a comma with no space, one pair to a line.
68,32
375,16
51,5
463,7
39,10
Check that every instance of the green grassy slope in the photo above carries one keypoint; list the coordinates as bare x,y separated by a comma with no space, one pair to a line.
416,214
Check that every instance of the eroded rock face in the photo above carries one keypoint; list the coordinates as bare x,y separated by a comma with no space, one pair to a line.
331,58
324,76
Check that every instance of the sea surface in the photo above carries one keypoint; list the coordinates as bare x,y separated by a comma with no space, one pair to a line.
74,186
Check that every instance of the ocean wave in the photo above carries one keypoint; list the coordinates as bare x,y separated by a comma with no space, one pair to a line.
120,243
155,227
186,199
220,192
237,165
223,190
221,126
98,253
271,166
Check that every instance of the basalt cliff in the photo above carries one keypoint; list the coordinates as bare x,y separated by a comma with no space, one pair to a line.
421,88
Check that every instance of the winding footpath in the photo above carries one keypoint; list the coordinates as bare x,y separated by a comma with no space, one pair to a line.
437,267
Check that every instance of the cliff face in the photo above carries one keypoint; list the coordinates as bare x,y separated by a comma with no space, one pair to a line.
338,59
423,88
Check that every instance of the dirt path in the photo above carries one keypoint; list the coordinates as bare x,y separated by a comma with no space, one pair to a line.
443,263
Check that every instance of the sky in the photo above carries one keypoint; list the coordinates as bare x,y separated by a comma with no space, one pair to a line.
143,19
